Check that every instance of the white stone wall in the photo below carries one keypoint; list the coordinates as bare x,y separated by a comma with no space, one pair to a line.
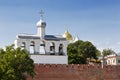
41,32
50,59
45,58
111,61
18,43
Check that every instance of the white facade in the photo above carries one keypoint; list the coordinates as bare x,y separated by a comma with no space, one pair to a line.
112,59
48,59
45,49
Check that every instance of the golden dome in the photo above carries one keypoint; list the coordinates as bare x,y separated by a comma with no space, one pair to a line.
68,36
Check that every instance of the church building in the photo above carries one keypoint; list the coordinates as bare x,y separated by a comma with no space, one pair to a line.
44,48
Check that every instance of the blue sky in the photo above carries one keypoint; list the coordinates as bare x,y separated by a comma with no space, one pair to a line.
95,20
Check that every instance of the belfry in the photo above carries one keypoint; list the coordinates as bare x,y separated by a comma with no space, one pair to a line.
44,48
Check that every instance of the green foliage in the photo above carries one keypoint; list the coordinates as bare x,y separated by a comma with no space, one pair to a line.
98,53
80,51
15,64
106,52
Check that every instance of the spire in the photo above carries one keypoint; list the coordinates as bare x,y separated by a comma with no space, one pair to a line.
67,28
76,39
41,14
41,21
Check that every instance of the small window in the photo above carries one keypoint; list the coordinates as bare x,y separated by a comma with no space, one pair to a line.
108,61
118,61
23,45
113,60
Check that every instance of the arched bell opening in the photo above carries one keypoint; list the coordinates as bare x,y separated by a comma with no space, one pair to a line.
52,48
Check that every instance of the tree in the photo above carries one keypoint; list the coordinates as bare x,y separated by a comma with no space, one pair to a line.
106,52
15,64
80,51
98,53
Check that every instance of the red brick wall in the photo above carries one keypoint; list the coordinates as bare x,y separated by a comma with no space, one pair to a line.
75,72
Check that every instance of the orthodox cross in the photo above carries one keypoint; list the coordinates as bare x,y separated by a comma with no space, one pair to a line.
41,14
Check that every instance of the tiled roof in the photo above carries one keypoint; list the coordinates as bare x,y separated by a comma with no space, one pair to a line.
28,36
54,37
46,37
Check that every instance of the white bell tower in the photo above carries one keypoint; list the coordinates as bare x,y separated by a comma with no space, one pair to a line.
41,26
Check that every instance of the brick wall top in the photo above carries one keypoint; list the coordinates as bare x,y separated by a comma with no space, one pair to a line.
76,66
76,72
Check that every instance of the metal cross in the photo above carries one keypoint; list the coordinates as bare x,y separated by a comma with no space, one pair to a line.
41,14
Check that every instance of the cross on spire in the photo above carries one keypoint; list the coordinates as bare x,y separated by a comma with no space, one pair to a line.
41,14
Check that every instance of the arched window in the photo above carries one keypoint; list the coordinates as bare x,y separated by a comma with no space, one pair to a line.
108,62
61,49
42,48
52,48
23,45
32,47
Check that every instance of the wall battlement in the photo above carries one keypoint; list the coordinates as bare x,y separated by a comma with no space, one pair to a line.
75,72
